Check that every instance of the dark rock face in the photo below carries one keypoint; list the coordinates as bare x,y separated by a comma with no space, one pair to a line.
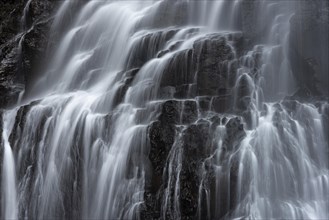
206,74
126,80
212,54
162,137
180,69
9,28
197,146
197,139
22,44
178,112
162,134
20,121
309,46
234,133
141,52
207,69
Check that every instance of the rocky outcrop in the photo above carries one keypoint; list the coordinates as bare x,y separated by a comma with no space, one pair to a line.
23,39
162,134
197,141
203,81
208,69
126,80
213,54
309,47
9,27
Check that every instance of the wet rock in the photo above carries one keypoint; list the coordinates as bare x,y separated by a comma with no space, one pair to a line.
170,112
189,112
216,121
1,123
171,49
126,80
189,184
167,92
10,13
186,91
290,105
243,92
177,112
161,137
141,50
324,110
242,105
197,145
251,26
204,103
33,50
21,45
179,70
213,54
19,124
308,51
222,104
234,133
237,40
197,141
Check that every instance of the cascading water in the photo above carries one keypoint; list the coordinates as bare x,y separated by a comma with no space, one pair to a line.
8,192
166,109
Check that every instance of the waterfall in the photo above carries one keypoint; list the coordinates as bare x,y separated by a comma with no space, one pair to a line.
8,185
168,110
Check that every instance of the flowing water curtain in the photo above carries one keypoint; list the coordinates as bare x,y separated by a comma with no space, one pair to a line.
154,109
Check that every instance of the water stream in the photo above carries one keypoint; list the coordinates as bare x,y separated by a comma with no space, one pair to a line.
79,146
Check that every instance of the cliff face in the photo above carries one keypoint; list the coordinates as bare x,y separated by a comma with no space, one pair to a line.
309,46
192,134
24,32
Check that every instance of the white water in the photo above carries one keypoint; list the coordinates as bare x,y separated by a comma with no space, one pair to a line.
90,154
8,192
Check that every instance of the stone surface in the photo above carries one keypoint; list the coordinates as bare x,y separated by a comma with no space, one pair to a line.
197,140
213,54
22,45
309,46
